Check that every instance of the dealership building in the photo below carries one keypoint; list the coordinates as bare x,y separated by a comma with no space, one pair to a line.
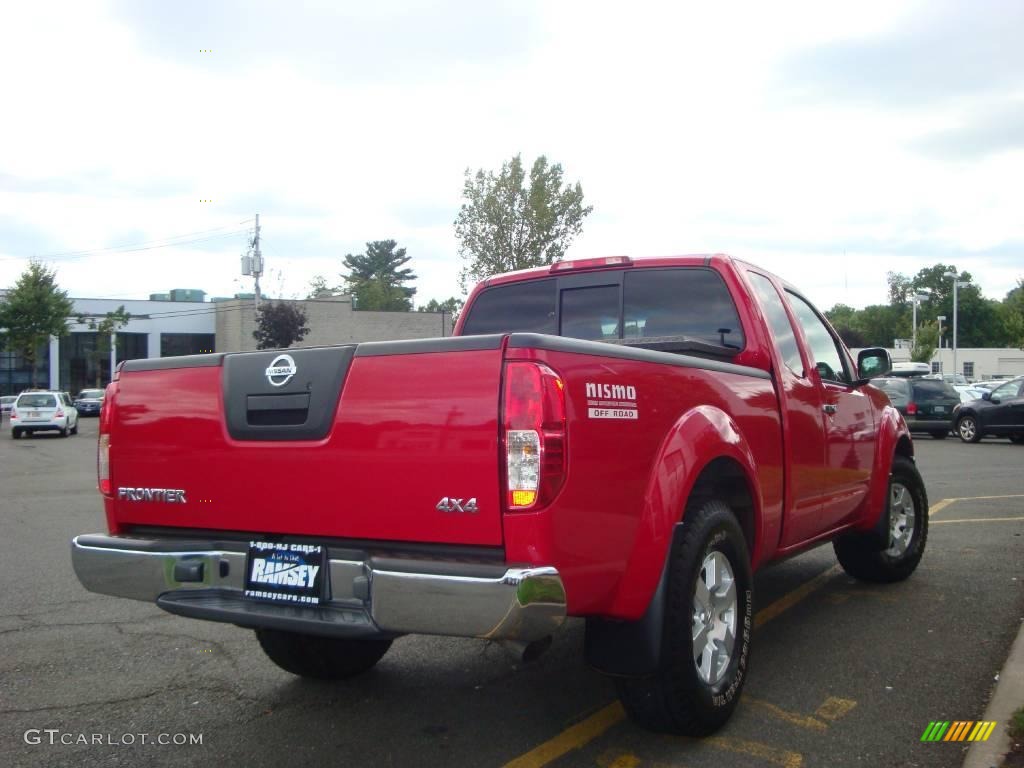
182,322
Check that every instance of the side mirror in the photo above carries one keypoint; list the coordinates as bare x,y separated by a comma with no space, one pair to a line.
986,395
873,362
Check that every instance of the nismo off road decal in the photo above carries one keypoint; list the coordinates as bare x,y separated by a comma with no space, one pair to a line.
612,401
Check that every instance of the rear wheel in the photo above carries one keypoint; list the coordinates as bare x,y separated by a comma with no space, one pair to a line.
706,634
64,432
906,518
74,429
967,429
15,433
322,658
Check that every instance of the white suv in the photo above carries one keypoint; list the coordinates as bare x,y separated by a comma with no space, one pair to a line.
44,411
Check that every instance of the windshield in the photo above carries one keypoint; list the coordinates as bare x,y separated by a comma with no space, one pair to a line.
37,401
91,394
1007,390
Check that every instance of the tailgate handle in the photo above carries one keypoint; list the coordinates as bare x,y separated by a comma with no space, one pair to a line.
277,410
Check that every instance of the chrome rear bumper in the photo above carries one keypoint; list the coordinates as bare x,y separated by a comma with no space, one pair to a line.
366,596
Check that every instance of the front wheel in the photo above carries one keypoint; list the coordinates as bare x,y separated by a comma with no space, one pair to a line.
707,630
322,658
906,516
967,429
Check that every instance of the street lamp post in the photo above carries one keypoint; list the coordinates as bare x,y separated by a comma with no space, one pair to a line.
957,283
916,299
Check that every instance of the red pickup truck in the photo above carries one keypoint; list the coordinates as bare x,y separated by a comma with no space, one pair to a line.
620,440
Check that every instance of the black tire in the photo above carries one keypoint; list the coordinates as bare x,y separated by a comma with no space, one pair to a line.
940,435
967,429
677,699
64,432
860,554
15,433
74,429
1017,439
322,658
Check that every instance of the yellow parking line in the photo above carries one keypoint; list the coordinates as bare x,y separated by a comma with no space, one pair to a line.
979,520
801,721
787,601
587,730
938,506
780,757
835,708
979,498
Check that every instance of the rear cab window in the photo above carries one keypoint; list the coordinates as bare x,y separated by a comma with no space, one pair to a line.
615,305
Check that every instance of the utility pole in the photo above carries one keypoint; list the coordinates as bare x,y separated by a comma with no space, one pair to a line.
252,262
257,260
957,283
916,299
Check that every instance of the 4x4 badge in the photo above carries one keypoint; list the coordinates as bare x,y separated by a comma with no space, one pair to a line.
448,504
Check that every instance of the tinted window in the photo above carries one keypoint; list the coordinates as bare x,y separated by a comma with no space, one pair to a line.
824,349
681,302
520,307
778,321
591,313
898,390
37,401
934,391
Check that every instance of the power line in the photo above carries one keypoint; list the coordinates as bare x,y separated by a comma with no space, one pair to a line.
165,242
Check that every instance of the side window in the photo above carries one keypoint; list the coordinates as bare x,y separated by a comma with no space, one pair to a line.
827,358
778,321
1007,391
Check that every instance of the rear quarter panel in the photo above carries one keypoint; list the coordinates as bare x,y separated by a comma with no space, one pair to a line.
608,530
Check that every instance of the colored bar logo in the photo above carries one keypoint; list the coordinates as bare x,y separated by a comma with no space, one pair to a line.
958,730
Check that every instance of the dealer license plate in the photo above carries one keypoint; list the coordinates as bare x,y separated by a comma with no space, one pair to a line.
285,573
940,409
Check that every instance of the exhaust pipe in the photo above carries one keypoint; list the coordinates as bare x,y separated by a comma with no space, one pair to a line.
526,652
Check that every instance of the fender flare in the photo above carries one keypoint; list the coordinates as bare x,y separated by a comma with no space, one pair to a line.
893,438
700,436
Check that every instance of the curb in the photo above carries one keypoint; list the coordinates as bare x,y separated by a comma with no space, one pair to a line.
1007,698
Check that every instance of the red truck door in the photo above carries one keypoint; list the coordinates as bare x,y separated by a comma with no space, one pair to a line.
827,424
847,420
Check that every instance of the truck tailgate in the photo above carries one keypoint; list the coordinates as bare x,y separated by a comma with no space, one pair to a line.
258,450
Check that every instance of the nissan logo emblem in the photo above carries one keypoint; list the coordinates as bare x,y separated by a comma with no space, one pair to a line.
281,370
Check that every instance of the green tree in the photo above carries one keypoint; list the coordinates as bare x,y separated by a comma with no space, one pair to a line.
844,319
279,324
318,287
105,326
927,340
452,305
376,279
506,223
1011,311
32,311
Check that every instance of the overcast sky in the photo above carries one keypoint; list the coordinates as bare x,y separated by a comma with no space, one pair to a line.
828,141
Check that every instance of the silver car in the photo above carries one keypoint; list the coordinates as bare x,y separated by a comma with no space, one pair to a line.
46,411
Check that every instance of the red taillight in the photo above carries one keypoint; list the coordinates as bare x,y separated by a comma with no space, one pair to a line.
535,435
60,414
103,445
911,409
14,415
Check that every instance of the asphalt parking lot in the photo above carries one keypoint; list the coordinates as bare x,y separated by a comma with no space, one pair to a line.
843,674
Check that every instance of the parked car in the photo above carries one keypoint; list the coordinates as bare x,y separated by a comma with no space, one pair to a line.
999,412
89,402
43,412
949,378
529,475
6,402
926,404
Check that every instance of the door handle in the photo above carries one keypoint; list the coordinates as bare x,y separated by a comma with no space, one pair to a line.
829,409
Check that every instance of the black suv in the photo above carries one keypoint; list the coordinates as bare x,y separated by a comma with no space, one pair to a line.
999,412
927,405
